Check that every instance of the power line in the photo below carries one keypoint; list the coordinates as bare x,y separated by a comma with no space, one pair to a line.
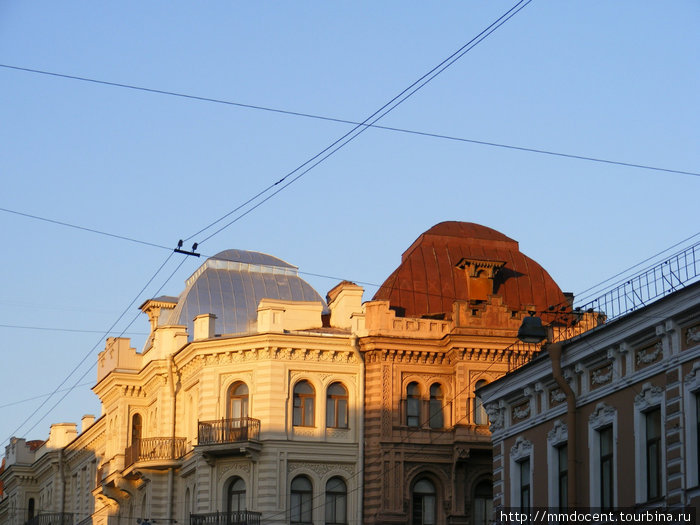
86,356
75,226
356,123
20,401
52,329
374,117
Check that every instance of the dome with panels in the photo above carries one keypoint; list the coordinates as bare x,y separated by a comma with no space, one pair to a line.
231,284
463,261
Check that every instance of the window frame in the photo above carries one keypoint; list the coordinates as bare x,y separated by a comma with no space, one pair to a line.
333,402
335,497
604,416
436,406
521,452
413,404
650,399
306,401
305,496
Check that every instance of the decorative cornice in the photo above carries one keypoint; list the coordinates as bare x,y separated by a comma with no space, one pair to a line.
603,414
521,449
558,434
649,396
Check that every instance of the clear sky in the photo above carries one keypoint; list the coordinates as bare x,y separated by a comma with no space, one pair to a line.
613,80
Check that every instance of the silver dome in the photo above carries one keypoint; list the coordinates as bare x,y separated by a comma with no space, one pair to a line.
231,284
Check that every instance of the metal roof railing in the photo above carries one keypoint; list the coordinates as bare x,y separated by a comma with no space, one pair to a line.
647,286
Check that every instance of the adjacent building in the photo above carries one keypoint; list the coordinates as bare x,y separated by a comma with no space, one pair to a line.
607,419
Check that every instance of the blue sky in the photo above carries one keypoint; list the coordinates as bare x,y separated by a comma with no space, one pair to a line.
612,80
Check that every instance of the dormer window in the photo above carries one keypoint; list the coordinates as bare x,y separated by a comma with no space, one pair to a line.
480,275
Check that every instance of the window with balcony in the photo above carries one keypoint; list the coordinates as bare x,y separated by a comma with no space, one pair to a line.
336,502
413,405
337,406
304,400
237,404
437,416
301,508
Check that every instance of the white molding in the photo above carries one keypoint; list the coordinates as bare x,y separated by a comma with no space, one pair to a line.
691,396
648,398
603,416
555,438
521,450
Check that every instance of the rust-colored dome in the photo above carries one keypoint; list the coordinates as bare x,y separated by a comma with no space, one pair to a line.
430,277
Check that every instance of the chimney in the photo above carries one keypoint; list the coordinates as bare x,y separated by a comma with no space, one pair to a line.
204,326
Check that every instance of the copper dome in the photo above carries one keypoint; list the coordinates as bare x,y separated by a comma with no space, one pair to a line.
430,278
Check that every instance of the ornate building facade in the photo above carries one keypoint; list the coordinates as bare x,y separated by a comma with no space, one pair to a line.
442,325
242,408
255,401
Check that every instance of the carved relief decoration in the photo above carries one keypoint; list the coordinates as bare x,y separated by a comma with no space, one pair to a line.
692,335
649,355
692,380
522,411
321,468
602,375
496,416
556,396
235,467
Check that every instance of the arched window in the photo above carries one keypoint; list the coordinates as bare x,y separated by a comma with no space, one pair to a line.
136,427
437,417
337,406
304,399
413,405
483,503
237,405
235,499
480,417
336,501
300,501
423,503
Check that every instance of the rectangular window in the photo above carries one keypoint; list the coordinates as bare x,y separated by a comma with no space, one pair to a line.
606,468
697,432
524,484
563,468
653,453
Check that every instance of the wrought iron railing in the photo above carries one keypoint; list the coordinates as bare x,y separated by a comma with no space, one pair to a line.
647,286
155,448
239,517
51,518
234,430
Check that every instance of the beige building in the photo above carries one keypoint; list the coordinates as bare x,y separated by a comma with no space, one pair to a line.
244,407
607,419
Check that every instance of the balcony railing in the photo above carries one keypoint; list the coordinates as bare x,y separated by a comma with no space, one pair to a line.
239,517
155,449
235,430
51,518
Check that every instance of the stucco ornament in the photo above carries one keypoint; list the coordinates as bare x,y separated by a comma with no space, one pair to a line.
645,357
495,414
693,335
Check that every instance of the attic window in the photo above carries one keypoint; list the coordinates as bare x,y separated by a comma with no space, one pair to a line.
480,275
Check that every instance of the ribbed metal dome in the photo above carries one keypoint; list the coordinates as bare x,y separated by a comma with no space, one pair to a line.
428,280
231,284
